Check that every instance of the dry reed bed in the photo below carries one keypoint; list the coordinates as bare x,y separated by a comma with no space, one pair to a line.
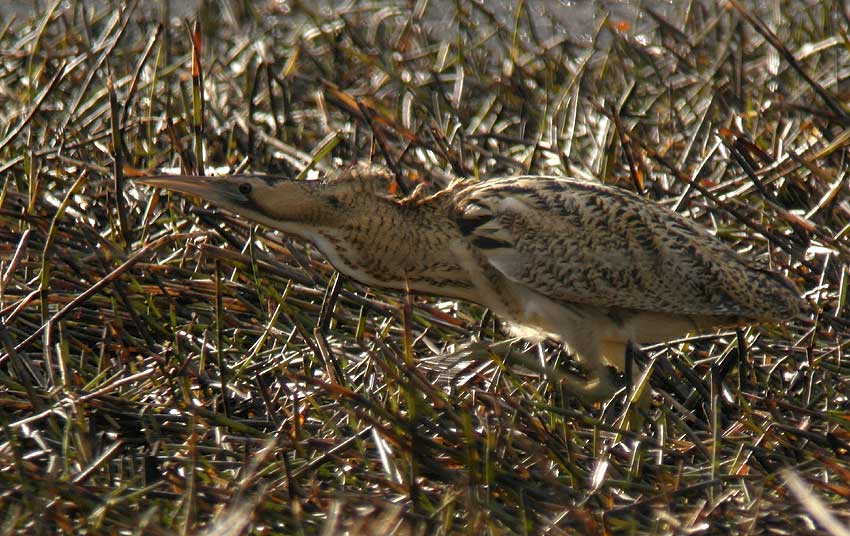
169,368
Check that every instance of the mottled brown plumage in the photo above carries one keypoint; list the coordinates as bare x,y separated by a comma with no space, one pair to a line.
593,266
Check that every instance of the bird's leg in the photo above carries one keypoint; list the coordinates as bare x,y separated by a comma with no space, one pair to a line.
629,370
594,356
596,390
600,387
639,395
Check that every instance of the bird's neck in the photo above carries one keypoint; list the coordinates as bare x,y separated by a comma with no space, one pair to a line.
405,247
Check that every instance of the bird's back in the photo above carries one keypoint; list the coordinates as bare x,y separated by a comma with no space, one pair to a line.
585,243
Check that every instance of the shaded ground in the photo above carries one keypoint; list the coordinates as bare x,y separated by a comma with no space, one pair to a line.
169,368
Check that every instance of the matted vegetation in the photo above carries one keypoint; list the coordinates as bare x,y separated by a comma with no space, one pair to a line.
169,368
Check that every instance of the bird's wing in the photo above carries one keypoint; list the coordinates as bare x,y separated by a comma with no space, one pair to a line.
580,242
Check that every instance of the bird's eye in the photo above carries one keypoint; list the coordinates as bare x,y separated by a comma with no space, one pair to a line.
244,188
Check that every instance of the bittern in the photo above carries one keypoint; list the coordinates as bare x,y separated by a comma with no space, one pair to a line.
593,266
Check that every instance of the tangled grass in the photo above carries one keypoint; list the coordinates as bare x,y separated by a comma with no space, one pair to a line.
168,368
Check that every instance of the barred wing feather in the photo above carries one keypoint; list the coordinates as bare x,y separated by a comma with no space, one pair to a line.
586,243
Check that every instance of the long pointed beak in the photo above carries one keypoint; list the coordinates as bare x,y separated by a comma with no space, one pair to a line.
219,191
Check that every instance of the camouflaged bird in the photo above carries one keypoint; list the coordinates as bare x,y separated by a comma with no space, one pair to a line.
592,266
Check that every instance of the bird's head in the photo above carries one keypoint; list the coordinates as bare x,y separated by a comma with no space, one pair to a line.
283,203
